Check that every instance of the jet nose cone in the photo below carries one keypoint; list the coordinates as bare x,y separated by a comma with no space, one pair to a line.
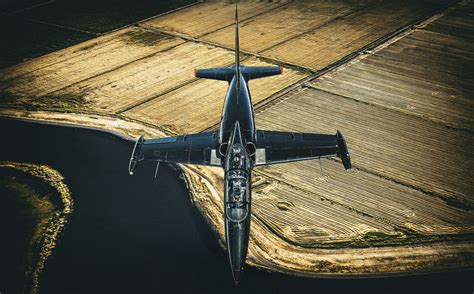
236,276
237,249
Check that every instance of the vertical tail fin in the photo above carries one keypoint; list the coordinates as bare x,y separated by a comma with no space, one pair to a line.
248,72
237,58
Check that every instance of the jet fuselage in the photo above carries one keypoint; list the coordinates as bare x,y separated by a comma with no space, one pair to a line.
237,133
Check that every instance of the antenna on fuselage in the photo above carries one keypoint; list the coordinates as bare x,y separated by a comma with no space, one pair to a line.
157,168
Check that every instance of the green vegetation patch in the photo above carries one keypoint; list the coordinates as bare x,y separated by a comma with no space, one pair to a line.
62,102
143,37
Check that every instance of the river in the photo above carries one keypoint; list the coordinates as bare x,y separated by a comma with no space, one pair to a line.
140,234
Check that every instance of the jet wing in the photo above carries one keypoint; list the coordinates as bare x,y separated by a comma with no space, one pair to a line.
197,149
279,147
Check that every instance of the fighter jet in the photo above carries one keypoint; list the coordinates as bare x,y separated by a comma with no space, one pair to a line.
237,146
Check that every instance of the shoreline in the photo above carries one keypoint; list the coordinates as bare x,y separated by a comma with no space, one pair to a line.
268,251
56,222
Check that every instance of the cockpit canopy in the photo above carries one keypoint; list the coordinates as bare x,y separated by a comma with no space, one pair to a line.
237,194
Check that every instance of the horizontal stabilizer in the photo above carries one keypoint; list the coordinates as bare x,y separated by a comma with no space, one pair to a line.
256,72
220,73
248,72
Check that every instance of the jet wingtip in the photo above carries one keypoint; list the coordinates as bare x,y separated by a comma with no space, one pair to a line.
135,158
343,151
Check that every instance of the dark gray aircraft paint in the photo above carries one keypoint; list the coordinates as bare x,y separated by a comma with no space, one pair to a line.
238,147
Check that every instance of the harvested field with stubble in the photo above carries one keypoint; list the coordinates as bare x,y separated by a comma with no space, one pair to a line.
400,79
72,65
394,77
198,20
337,39
392,172
281,24
405,154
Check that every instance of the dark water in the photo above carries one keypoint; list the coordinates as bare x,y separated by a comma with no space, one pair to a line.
137,234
